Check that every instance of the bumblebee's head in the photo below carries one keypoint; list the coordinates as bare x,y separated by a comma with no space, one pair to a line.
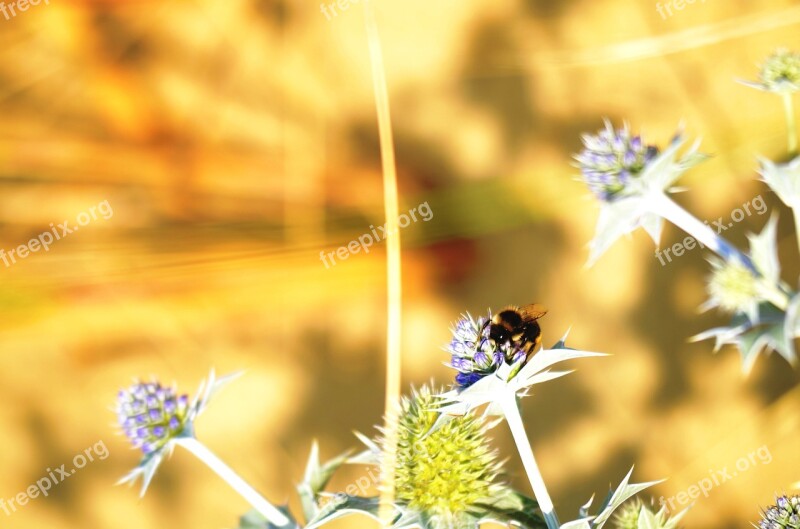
499,333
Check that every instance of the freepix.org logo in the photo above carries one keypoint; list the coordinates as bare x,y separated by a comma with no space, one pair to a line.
56,233
364,242
12,9
55,476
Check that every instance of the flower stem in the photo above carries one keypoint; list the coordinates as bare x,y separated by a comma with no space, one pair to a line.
791,123
667,208
510,409
269,511
393,270
796,215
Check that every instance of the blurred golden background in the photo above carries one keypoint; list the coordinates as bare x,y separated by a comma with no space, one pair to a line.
235,141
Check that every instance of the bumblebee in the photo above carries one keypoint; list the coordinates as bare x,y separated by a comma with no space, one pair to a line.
518,326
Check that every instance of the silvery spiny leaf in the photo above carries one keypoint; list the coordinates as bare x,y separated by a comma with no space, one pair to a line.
767,328
342,505
370,456
666,521
511,509
619,496
783,179
490,388
316,478
764,251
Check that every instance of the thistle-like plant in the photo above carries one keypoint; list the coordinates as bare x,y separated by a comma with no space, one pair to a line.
780,74
746,285
636,515
475,355
785,514
633,188
445,472
156,419
496,373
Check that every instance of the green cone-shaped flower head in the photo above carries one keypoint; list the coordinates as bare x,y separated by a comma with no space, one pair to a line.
442,473
635,515
735,288
781,72
628,515
785,514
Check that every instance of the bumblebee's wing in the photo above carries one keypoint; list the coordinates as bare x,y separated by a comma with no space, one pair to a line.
533,311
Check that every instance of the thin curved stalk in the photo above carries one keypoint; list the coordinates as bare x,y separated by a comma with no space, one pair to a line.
269,511
393,270
796,215
791,123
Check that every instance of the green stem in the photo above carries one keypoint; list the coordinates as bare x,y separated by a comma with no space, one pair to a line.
796,215
269,511
791,123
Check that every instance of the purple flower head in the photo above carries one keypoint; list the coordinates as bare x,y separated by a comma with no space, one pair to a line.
785,514
611,159
151,415
474,354
465,380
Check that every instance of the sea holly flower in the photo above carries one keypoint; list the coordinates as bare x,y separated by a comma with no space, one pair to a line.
765,311
612,160
151,415
734,288
156,419
628,515
445,474
780,74
636,515
740,288
475,355
633,189
785,514
499,389
624,492
513,379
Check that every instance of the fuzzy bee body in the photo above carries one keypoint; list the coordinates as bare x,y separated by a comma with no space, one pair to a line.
517,326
